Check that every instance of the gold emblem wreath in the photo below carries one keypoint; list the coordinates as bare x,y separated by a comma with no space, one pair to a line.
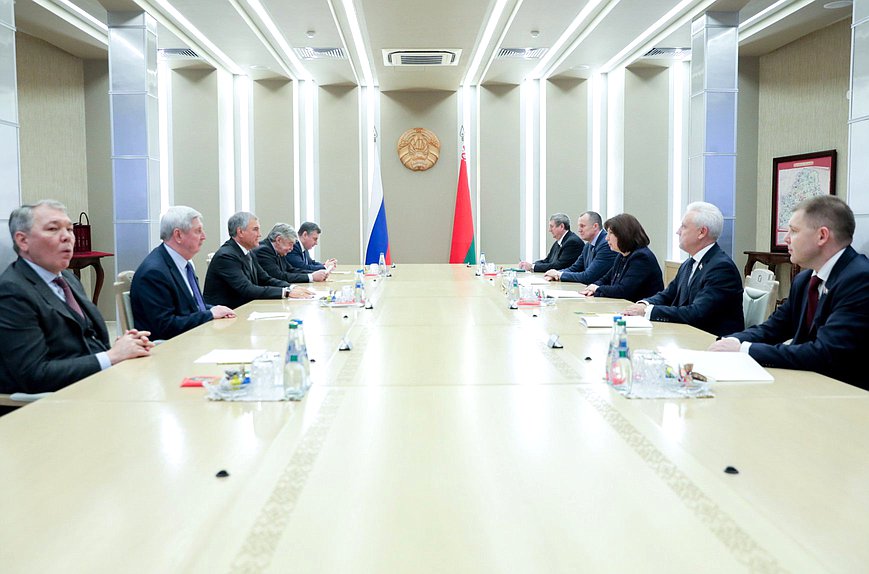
419,149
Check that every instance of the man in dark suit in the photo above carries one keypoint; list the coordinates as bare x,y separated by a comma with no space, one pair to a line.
50,333
596,259
165,294
299,256
271,254
235,277
707,291
827,312
564,251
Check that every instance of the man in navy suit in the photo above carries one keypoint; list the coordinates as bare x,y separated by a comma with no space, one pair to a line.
563,252
827,312
300,257
234,275
707,290
50,332
596,259
271,255
165,295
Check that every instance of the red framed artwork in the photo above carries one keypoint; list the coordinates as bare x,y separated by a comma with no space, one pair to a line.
795,178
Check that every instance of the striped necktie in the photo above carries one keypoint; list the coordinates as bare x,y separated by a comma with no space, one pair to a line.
70,298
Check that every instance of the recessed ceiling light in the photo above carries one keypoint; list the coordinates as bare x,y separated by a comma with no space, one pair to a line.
535,33
310,33
581,67
838,4
258,67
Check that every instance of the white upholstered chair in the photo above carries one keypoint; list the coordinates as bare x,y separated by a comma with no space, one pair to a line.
759,296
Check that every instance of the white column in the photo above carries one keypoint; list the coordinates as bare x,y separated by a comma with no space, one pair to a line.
135,141
858,125
10,167
712,140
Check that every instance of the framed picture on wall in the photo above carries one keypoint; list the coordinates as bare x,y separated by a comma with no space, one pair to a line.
795,178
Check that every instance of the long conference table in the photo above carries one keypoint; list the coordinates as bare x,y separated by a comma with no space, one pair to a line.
450,438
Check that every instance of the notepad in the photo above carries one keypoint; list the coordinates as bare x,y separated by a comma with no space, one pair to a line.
719,366
564,294
230,356
604,320
533,280
256,315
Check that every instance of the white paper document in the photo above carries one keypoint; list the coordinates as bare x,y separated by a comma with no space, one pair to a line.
605,320
230,356
564,294
719,366
256,316
533,280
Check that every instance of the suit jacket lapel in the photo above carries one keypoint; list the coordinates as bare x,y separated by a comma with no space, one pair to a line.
830,284
180,285
44,291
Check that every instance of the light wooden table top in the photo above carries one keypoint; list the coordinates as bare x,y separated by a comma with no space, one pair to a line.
449,439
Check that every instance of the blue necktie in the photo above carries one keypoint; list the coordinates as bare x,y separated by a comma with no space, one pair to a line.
589,255
194,286
684,283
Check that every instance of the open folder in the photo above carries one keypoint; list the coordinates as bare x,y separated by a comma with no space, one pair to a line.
604,320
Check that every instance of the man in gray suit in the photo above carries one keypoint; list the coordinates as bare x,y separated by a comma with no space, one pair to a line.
50,332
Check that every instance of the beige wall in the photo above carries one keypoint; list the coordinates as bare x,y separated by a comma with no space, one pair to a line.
802,108
273,152
499,173
419,204
195,153
99,171
746,160
340,199
566,148
647,153
51,108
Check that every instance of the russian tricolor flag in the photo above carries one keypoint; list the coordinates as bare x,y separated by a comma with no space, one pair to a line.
378,236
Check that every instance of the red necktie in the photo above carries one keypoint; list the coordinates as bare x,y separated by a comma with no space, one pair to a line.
814,282
70,298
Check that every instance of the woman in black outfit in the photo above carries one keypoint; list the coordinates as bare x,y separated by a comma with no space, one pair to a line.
635,273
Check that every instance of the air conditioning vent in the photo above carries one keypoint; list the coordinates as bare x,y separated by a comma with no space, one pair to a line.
524,53
320,53
421,57
177,54
668,53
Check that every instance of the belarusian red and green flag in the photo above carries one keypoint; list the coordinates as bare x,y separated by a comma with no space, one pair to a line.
463,249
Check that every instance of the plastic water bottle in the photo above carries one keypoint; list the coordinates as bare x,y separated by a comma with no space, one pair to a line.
359,292
382,264
613,351
295,373
622,377
303,348
482,263
513,295
623,335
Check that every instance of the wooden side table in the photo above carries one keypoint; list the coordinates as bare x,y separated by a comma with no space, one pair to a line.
90,259
771,260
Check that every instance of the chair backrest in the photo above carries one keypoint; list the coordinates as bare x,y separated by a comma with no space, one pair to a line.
122,301
760,279
759,296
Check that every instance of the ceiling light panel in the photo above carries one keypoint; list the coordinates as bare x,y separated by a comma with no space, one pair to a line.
216,27
628,20
547,18
455,24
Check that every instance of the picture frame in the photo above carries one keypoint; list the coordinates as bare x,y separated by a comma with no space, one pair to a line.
794,179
